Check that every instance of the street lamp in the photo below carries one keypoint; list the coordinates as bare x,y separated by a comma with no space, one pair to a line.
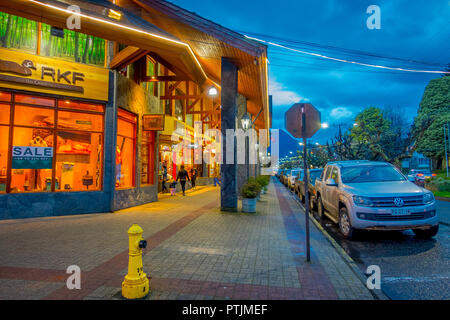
246,123
446,137
212,91
324,125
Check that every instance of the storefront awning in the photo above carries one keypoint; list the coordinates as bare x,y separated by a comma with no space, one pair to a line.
105,20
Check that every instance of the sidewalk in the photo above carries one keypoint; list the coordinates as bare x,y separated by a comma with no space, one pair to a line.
194,252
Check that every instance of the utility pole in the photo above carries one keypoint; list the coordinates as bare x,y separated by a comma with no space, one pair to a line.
305,178
446,137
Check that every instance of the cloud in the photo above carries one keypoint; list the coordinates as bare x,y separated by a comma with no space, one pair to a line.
281,96
340,113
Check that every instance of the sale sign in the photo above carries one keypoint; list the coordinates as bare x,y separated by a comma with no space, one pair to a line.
32,157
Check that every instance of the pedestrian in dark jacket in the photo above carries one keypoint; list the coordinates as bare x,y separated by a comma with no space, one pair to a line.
164,178
183,176
193,177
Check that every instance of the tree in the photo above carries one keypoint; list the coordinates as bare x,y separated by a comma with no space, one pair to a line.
434,111
381,134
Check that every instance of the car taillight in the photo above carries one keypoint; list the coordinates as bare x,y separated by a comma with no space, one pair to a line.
433,175
420,174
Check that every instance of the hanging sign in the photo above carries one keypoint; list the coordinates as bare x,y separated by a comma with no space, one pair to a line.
153,122
32,157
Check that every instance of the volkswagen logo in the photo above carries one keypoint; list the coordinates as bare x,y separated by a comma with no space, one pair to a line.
398,202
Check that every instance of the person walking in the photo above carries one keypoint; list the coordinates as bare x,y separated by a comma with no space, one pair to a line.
193,177
216,176
183,176
164,178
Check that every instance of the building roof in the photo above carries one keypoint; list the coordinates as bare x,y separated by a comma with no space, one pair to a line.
210,42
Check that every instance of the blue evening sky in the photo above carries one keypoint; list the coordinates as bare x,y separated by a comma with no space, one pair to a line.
411,30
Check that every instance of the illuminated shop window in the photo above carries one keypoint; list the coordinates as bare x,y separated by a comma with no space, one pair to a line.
18,33
125,149
4,114
4,134
147,156
53,149
79,161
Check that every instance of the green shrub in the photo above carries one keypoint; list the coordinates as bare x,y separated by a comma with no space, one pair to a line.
251,189
263,181
438,184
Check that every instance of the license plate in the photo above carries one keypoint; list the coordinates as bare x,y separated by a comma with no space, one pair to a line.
400,212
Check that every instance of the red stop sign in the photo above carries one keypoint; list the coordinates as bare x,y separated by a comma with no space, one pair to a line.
293,120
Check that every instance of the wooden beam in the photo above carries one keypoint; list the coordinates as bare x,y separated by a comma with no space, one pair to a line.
180,97
164,78
169,66
127,56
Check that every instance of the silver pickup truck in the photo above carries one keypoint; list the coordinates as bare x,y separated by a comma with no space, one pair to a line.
374,195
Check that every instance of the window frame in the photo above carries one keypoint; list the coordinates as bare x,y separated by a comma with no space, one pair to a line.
54,129
151,158
134,138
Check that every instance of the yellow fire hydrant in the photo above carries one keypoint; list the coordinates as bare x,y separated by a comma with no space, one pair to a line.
135,285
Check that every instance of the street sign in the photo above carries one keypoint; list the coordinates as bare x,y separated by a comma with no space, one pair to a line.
293,120
303,121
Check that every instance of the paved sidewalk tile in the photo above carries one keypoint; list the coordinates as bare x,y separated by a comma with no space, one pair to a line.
194,252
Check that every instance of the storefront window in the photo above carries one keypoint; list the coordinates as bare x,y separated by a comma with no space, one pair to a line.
125,149
30,174
52,149
4,114
75,46
18,33
147,156
4,134
78,161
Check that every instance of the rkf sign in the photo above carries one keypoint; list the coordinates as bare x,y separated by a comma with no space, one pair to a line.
294,123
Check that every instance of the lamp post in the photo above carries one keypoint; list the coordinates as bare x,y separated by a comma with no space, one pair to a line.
446,137
246,122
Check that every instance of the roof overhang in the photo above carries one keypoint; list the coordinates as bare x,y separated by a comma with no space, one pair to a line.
129,30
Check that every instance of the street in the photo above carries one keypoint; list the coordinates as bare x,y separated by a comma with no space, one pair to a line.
411,268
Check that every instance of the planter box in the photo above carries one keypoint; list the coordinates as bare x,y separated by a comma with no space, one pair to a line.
249,205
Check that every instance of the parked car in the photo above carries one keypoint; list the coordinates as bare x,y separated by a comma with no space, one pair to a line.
313,174
293,177
284,177
374,195
421,174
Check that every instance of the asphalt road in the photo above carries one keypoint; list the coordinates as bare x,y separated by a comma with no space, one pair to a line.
411,268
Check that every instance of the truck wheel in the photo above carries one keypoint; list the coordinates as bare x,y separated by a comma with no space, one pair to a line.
345,225
426,234
320,209
311,204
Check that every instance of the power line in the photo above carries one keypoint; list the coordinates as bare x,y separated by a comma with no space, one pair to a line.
347,61
305,45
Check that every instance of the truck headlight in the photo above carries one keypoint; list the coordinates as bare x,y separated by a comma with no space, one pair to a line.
428,198
362,201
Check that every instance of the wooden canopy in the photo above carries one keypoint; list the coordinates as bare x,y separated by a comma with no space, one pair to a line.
210,42
129,30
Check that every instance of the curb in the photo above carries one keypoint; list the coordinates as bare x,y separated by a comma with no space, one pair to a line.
377,294
442,199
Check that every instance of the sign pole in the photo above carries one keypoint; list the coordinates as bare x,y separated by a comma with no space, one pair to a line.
305,175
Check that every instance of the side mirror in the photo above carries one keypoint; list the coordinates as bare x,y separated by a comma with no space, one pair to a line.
330,182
